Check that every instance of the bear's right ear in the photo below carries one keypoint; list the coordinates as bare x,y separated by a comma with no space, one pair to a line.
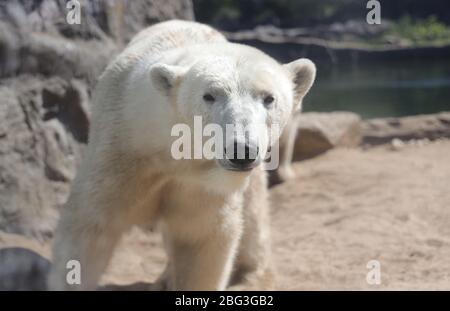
164,77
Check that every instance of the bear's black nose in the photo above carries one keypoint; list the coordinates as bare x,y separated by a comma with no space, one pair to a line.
241,156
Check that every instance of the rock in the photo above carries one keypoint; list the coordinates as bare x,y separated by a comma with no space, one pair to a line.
24,262
33,43
139,13
382,131
68,102
23,269
397,144
58,163
35,37
319,132
39,150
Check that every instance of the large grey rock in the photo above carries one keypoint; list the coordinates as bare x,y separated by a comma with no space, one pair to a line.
36,38
23,269
44,124
319,132
24,262
381,131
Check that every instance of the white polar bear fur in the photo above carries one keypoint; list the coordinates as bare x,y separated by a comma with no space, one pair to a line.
214,221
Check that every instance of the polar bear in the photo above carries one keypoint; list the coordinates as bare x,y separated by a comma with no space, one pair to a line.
213,213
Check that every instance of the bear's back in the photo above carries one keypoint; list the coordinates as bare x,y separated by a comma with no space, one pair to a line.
155,40
175,33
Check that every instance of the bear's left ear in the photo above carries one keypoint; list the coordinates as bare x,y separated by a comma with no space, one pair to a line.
164,77
303,72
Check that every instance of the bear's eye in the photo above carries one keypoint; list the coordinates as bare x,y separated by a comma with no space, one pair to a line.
268,100
208,98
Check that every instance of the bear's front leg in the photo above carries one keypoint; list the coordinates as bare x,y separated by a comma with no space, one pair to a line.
97,213
253,267
82,249
202,246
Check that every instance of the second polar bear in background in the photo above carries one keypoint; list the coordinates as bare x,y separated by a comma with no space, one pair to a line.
213,213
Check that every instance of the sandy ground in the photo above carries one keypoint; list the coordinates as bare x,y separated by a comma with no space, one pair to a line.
352,206
344,208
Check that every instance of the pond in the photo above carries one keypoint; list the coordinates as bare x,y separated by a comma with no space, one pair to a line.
382,88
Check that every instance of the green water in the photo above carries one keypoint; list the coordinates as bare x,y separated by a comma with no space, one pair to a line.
382,89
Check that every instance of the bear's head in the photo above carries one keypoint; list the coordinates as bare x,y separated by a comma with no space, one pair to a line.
240,91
